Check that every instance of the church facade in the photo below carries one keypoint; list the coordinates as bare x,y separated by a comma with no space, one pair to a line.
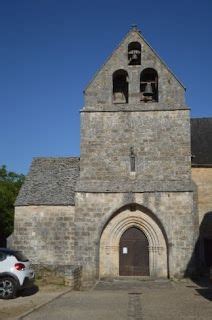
133,203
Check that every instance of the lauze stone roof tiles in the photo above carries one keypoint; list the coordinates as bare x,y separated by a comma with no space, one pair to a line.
201,141
51,181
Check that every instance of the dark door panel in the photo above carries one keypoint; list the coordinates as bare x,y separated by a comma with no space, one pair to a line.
133,253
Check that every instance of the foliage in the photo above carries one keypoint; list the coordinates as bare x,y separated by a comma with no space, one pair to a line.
10,183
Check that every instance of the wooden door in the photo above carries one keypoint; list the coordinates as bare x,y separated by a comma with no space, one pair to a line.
133,253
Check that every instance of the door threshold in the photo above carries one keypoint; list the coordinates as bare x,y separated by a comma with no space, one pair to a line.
127,278
133,278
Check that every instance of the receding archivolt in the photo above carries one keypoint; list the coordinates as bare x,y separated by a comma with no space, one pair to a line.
109,243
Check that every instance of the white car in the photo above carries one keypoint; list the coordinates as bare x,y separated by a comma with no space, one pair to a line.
15,273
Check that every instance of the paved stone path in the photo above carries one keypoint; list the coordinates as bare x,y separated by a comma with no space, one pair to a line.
132,300
134,307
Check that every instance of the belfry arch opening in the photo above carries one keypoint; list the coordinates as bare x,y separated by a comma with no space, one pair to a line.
149,85
134,53
152,247
120,86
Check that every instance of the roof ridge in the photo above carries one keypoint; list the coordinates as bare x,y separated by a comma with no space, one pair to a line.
202,118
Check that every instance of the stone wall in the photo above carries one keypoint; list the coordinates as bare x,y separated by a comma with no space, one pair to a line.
160,141
172,211
69,275
202,178
45,234
98,95
157,132
143,219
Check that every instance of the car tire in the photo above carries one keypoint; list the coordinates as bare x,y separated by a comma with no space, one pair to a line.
8,288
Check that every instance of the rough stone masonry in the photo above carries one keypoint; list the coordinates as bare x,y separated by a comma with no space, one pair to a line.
134,171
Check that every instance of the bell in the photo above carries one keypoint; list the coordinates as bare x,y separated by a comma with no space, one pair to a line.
134,56
148,90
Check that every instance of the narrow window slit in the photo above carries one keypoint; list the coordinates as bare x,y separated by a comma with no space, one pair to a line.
132,160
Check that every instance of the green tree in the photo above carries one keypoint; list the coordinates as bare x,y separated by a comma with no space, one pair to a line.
10,184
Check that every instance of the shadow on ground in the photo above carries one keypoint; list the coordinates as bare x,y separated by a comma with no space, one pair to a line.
28,291
205,293
203,287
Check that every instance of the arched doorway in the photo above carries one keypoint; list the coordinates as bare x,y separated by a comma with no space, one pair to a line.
111,238
133,253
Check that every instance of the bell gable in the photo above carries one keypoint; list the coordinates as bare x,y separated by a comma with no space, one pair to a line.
134,77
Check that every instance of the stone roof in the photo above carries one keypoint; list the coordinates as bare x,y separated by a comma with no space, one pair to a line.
201,141
51,181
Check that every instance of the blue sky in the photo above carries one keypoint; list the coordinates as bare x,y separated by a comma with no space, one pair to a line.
50,49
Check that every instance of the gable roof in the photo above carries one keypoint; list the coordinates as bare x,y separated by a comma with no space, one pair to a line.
51,181
134,29
201,141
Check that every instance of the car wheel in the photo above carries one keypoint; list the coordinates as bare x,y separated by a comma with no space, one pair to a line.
8,288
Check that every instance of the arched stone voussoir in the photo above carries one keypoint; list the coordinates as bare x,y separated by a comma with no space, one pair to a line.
109,242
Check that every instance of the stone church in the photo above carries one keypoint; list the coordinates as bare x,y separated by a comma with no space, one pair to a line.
138,201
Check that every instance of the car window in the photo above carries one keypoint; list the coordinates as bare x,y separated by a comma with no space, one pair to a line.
2,256
20,256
